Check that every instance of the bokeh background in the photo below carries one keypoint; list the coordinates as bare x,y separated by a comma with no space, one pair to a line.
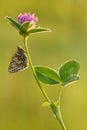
20,98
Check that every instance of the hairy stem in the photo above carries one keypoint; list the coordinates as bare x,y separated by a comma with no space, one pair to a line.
55,109
32,68
59,112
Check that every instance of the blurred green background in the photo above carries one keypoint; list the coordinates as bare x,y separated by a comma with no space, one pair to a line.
20,97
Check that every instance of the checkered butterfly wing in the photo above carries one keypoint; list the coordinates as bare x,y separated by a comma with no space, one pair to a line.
19,61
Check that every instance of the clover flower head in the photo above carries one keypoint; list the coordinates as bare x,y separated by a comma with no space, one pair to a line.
27,17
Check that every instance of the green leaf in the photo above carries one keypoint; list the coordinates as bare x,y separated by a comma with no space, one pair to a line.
38,30
13,22
46,104
47,75
70,80
24,27
69,72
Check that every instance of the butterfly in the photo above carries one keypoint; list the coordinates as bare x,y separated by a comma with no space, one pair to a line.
19,61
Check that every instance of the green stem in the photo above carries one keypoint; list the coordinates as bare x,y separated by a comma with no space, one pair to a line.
32,68
59,94
55,109
59,118
59,112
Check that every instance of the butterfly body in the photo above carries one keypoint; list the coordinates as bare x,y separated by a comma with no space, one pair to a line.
19,61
